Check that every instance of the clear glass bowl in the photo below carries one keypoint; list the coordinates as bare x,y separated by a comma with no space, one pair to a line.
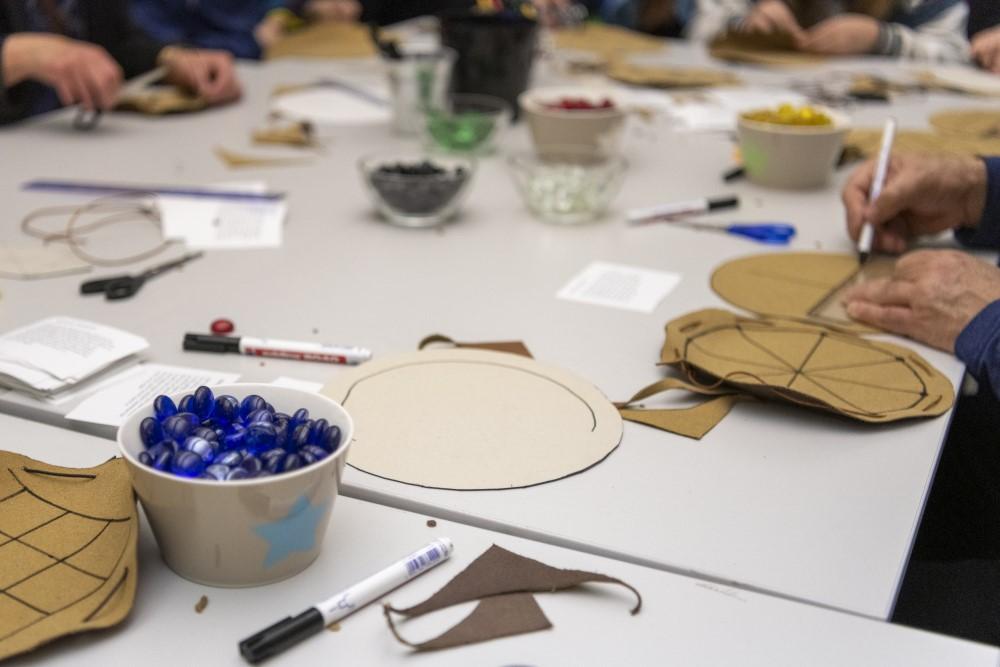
417,190
568,184
469,124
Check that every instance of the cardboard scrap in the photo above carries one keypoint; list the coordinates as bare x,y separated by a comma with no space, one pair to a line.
503,582
608,42
326,39
508,346
761,49
655,76
237,160
67,550
973,123
865,142
161,100
298,133
473,419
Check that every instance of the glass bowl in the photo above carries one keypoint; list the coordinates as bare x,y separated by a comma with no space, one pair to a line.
568,184
470,124
417,190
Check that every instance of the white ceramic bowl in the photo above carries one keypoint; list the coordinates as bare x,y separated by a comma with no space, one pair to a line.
794,157
247,532
599,129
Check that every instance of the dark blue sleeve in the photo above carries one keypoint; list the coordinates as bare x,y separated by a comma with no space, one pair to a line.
987,234
978,346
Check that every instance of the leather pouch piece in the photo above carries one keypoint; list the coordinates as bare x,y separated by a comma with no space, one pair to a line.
67,550
161,100
502,582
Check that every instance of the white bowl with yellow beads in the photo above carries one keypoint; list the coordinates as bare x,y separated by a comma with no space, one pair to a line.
791,147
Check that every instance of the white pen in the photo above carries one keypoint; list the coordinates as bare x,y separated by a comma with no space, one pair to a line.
691,206
282,349
290,631
881,169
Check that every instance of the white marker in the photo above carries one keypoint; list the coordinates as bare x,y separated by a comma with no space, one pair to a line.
291,631
679,208
881,170
282,349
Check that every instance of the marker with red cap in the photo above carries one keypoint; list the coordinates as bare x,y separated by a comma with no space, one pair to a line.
282,349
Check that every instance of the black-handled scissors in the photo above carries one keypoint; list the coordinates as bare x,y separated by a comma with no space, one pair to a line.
123,287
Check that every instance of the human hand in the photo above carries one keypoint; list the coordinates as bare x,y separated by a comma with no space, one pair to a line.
772,16
333,10
842,35
209,74
986,49
269,31
931,296
80,72
922,195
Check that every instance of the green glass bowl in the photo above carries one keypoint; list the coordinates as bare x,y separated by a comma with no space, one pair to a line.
468,124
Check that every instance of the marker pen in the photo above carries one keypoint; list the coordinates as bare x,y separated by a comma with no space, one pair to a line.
282,349
290,631
703,205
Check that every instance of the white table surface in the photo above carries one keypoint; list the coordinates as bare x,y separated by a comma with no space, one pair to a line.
774,499
683,621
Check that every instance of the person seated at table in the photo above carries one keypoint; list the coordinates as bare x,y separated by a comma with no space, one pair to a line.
245,28
984,31
944,298
68,52
932,30
666,18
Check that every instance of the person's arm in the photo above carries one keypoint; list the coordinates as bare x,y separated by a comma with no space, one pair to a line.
978,346
715,17
987,233
939,37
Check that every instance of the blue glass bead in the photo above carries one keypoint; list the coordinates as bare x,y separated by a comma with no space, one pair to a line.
164,407
203,402
238,473
300,437
270,408
273,464
187,464
205,475
260,415
230,459
251,403
271,453
290,463
219,434
227,407
252,465
215,422
317,452
205,432
186,404
300,416
260,437
145,459
317,431
281,433
203,448
331,439
150,431
163,460
217,471
281,415
170,444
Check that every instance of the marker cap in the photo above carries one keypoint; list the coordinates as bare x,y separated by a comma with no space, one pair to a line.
280,636
203,343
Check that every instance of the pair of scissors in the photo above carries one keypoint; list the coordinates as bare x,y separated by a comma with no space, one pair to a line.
124,287
771,233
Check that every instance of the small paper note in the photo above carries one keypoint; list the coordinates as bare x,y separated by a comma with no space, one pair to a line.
224,223
620,286
138,387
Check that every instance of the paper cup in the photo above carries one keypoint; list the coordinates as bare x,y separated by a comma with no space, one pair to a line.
247,532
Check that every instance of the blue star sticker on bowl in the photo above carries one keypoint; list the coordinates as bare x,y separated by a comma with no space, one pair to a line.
296,532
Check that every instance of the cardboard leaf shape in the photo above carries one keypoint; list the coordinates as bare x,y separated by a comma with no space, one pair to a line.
468,419
974,123
808,365
606,41
503,581
658,76
761,49
67,550
866,142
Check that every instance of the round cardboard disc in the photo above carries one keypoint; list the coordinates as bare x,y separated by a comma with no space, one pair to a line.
785,284
474,420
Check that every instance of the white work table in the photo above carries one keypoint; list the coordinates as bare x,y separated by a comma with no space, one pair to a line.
683,620
775,499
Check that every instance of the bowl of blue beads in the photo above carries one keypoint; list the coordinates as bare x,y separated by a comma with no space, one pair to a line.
238,481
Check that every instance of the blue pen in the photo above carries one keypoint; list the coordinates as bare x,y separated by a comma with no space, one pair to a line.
83,187
771,233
